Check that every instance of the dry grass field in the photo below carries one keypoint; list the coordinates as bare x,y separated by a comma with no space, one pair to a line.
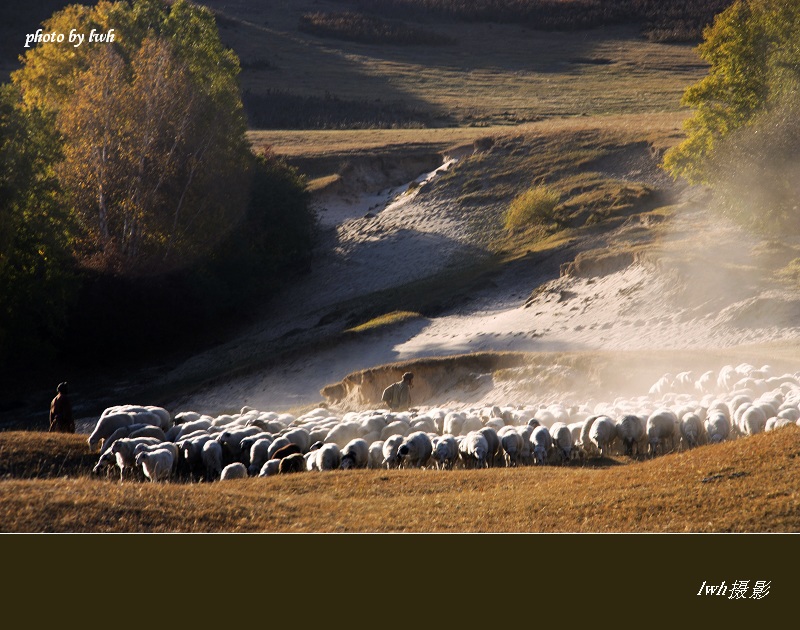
748,485
493,74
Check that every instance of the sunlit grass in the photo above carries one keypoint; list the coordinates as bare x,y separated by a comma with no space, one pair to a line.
382,321
743,486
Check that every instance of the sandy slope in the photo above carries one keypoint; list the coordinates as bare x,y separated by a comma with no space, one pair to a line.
692,282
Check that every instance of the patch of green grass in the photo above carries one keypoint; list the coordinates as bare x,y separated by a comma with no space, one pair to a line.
535,205
395,317
790,273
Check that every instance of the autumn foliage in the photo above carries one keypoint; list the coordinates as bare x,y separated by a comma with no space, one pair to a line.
131,183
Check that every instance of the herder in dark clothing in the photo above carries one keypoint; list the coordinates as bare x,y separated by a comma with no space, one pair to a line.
398,395
61,420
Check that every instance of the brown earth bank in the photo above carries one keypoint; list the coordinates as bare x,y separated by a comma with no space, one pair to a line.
748,485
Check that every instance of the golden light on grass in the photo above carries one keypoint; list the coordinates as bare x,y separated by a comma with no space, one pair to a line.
748,485
395,317
536,205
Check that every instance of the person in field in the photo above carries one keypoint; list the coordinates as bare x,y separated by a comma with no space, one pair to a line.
398,395
61,420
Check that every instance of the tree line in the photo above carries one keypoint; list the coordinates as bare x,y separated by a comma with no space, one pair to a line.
662,20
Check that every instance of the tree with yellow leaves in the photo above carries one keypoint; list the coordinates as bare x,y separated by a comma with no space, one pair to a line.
155,156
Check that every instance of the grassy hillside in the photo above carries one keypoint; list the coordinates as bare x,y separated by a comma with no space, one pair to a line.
744,486
492,73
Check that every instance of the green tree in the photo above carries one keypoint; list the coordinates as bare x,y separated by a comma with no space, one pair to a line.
155,155
36,282
753,49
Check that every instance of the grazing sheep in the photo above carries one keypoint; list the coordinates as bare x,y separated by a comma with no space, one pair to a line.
186,428
269,468
602,433
415,451
171,447
122,450
390,446
285,451
106,426
231,442
301,437
493,442
185,417
375,458
542,443
355,454
511,442
211,457
445,451
631,431
752,421
718,427
562,440
586,441
474,450
329,457
123,432
277,443
259,453
693,432
294,463
156,465
661,427
191,451
236,470
526,454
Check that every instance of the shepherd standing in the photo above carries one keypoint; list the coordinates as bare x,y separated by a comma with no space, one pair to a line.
61,420
398,395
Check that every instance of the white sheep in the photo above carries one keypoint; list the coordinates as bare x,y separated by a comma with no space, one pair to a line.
211,457
474,450
542,443
125,432
355,454
493,442
586,441
562,440
718,427
445,451
156,465
693,431
752,420
390,446
415,451
631,431
259,453
511,442
602,433
661,426
106,426
375,459
186,428
122,450
299,436
236,470
270,468
329,457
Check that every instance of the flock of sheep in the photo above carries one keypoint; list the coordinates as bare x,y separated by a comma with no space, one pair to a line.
679,412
